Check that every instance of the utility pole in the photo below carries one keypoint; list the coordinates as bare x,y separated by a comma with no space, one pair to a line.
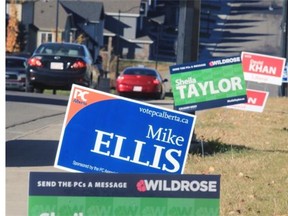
188,34
57,20
118,45
188,31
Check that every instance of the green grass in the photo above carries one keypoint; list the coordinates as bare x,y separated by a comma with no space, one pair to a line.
250,152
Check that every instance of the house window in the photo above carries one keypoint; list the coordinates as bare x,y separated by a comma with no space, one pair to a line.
46,37
43,37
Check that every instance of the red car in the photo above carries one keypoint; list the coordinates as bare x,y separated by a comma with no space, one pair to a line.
141,81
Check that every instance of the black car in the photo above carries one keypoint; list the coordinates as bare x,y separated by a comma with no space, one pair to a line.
15,72
59,65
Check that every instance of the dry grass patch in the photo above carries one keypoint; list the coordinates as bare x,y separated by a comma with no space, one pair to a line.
250,152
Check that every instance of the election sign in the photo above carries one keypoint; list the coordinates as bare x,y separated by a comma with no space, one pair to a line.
208,84
263,68
86,194
107,133
256,101
285,74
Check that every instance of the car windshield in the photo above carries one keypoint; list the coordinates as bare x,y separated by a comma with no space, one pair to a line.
60,49
15,63
136,71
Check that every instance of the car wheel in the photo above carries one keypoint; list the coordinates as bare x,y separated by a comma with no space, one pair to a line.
163,94
28,87
160,96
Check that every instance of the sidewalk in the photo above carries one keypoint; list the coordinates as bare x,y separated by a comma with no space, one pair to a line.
17,177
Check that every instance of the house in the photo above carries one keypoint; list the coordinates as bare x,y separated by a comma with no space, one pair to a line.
142,29
63,20
121,27
123,21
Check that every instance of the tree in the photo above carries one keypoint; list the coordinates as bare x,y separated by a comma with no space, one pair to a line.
12,44
81,39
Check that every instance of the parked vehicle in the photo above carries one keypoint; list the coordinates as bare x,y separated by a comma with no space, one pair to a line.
141,81
58,65
15,72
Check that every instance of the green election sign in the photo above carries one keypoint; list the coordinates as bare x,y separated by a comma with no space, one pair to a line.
90,194
208,84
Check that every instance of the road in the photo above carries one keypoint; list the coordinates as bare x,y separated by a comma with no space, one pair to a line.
33,128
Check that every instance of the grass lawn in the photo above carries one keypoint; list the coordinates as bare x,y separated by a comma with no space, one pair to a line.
251,157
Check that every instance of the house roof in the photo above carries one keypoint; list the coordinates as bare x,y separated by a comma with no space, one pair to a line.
88,10
46,12
125,6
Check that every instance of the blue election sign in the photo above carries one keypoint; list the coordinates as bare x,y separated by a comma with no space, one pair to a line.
111,134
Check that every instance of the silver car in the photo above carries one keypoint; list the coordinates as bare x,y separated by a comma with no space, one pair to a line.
15,72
